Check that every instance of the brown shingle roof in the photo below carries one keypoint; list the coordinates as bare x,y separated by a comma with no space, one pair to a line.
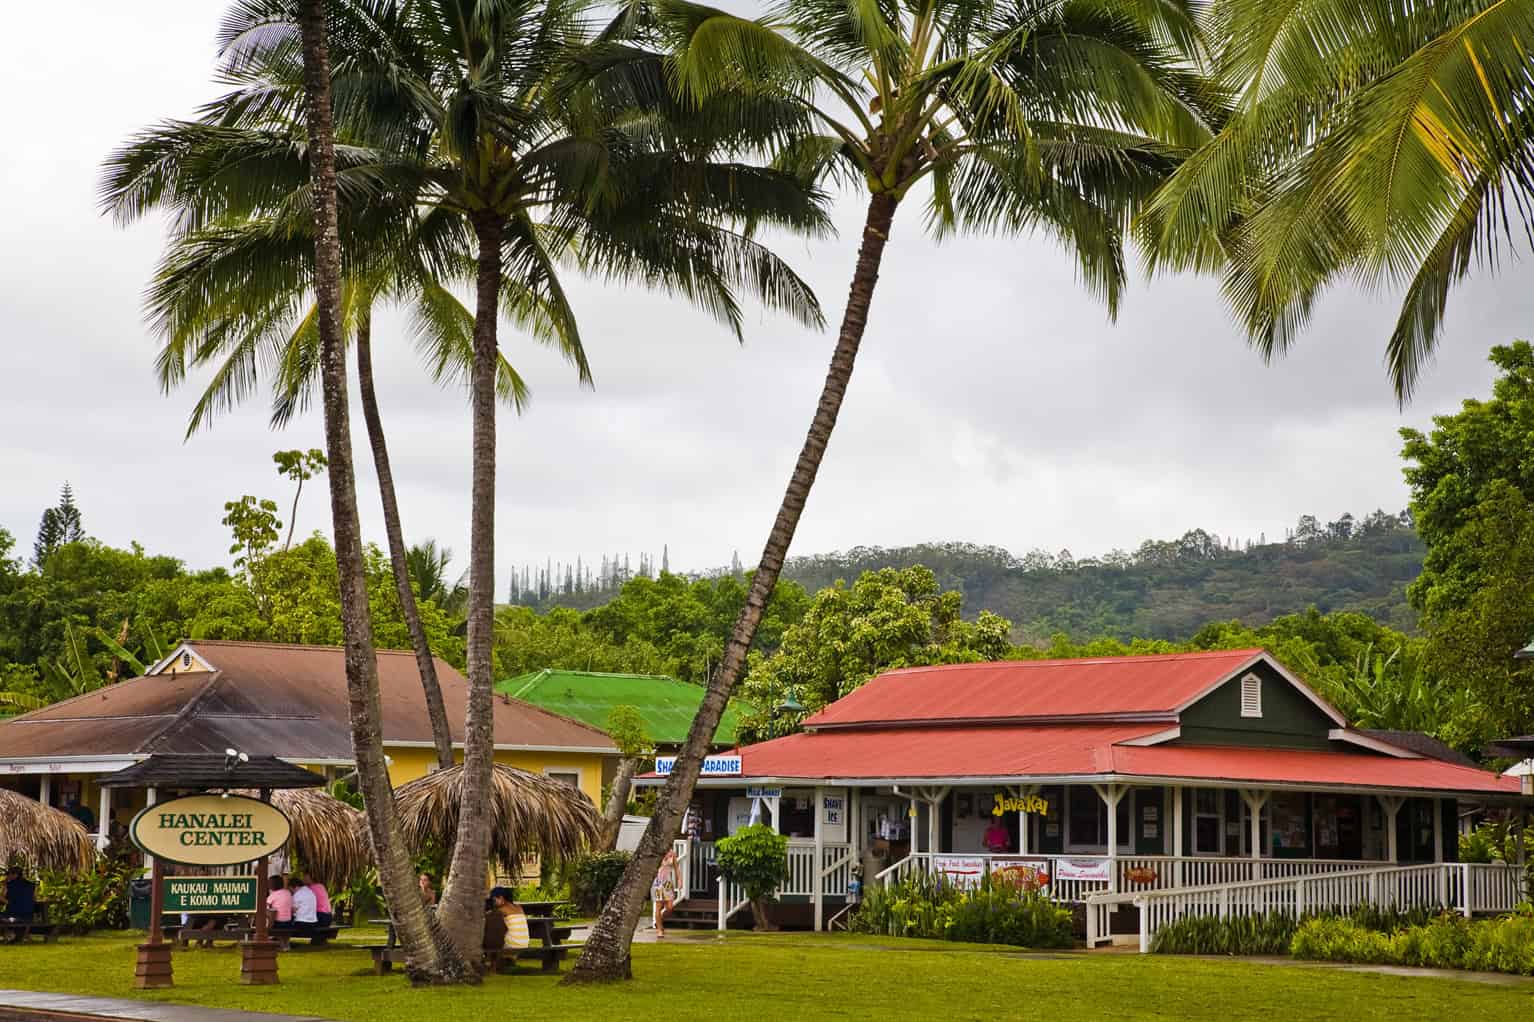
269,698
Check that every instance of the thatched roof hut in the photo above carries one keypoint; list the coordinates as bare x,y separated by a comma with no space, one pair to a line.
530,813
40,836
329,837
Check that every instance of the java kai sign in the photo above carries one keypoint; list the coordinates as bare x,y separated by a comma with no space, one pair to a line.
210,830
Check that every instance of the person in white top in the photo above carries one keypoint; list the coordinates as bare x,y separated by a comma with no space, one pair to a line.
305,905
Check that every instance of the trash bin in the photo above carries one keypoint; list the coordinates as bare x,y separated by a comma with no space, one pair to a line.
139,895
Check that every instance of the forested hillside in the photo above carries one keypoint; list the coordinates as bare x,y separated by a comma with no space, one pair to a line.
1164,590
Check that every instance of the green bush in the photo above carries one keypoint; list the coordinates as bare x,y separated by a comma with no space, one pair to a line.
593,877
1267,934
755,857
1504,944
96,899
997,912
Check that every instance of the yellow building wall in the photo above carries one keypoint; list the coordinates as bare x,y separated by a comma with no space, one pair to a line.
410,763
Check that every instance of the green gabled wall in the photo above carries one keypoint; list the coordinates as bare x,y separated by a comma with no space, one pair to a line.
1289,720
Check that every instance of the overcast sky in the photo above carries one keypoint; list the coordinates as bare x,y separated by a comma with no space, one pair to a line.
993,401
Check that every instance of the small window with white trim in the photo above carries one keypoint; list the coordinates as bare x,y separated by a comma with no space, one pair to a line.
1251,696
570,777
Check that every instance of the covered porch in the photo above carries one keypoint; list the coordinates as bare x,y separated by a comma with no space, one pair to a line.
1086,842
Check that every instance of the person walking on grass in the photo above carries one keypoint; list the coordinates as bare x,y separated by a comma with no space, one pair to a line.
663,891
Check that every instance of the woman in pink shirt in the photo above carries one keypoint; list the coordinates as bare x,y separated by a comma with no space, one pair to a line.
323,915
280,904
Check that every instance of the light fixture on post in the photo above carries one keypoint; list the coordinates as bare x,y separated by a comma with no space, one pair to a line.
791,703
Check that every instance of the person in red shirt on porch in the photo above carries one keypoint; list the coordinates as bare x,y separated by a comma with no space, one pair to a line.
996,839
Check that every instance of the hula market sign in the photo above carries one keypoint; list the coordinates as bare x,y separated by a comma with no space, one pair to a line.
210,830
210,895
713,766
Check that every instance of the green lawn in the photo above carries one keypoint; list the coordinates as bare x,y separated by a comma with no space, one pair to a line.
797,976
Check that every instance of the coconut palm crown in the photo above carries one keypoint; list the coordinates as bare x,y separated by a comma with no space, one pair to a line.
1379,141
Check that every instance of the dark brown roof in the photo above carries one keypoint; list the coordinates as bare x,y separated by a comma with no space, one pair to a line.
176,770
270,699
1421,744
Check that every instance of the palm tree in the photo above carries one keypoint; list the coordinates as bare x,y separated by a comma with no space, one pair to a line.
1052,114
235,295
431,955
486,127
1385,141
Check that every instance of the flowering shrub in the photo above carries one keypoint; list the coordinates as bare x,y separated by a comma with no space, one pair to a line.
999,911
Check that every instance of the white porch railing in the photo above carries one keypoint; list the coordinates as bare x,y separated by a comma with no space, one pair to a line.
1147,872
1462,887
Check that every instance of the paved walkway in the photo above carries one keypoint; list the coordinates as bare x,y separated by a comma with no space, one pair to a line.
1496,979
27,1005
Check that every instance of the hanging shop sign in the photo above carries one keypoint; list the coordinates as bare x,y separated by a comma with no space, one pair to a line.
210,830
831,809
764,792
1027,874
713,766
1026,804
959,870
1081,869
210,895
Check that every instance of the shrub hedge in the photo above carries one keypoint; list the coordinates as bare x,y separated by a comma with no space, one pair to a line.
1504,944
997,912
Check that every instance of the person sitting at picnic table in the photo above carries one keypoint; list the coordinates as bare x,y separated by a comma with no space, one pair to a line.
20,896
324,915
280,904
306,915
504,902
207,927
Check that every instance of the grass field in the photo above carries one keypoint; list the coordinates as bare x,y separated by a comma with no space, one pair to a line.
794,976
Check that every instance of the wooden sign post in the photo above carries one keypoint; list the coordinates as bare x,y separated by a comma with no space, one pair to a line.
209,830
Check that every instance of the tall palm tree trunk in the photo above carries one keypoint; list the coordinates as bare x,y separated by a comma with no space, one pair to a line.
617,802
429,958
441,735
606,956
465,894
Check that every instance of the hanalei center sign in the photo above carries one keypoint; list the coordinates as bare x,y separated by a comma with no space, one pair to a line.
210,830
713,766
210,895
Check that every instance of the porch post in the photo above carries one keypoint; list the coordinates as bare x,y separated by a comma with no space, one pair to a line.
1177,849
103,828
915,841
1255,800
1022,820
1438,832
1112,794
820,902
45,789
1391,804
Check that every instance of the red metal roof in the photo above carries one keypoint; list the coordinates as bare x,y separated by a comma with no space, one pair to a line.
930,753
1111,686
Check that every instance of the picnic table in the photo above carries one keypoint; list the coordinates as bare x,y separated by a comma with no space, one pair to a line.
15,931
548,931
317,936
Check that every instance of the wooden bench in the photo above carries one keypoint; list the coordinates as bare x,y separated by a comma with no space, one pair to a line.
15,932
384,956
549,954
317,936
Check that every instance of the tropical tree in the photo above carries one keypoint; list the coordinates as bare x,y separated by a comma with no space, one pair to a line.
1384,141
431,955
1055,115
487,127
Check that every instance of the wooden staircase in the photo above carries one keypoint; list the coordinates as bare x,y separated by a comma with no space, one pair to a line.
694,914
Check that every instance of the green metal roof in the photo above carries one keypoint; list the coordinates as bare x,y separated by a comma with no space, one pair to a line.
666,704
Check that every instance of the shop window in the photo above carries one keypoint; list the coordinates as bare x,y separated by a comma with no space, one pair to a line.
570,777
1087,821
1207,836
798,815
1289,818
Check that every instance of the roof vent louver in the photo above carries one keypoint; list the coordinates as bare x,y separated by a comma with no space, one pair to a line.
1251,696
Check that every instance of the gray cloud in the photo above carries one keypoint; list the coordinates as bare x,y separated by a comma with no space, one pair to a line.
993,401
